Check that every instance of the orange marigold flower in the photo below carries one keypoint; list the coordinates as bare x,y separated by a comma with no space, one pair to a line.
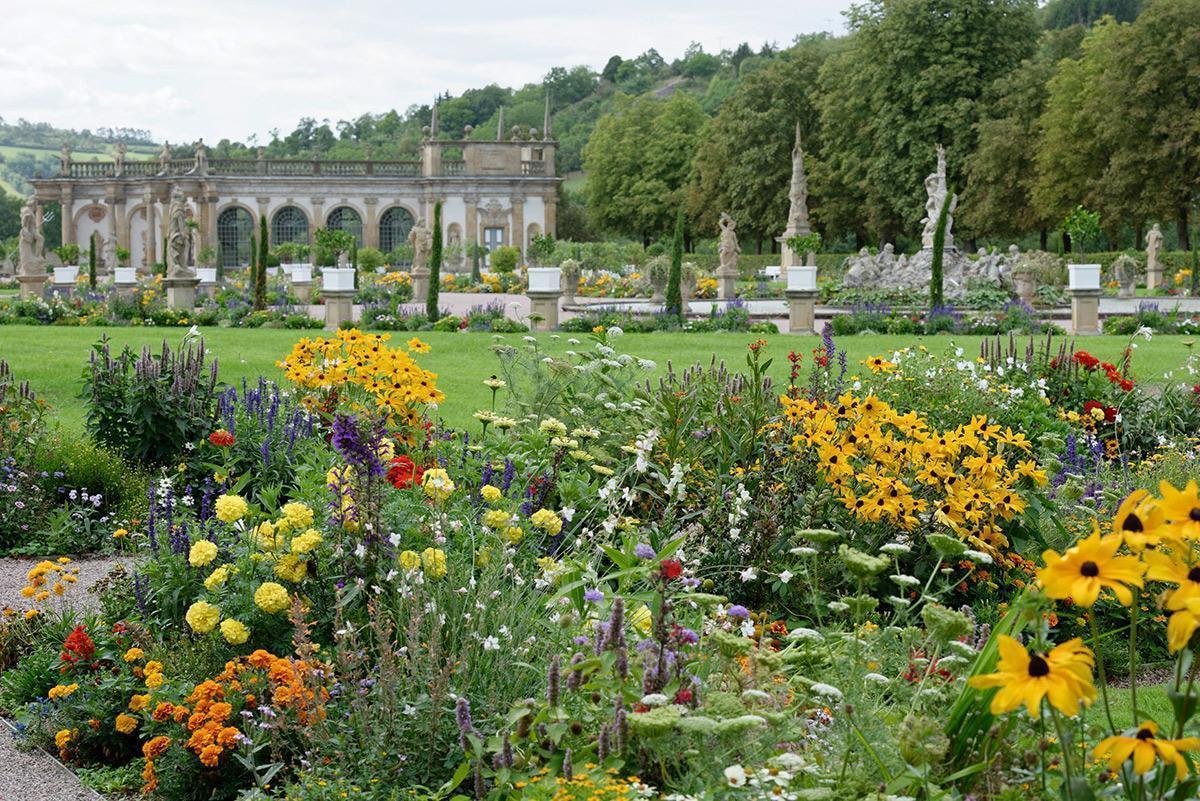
155,746
210,755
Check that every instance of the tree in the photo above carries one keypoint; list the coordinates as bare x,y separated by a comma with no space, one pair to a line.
638,161
1065,13
675,277
911,75
435,265
570,86
92,261
937,295
743,158
609,73
1002,172
260,272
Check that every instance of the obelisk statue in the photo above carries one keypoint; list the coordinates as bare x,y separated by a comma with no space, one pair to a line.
797,224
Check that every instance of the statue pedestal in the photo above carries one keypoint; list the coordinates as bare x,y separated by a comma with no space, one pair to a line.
420,285
32,286
181,292
726,284
1085,312
802,305
339,308
1153,277
545,306
303,290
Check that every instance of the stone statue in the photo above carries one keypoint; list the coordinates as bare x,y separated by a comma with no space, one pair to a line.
728,248
935,192
31,244
1125,270
798,192
179,237
201,167
119,159
164,158
421,239
146,260
454,249
1154,241
64,160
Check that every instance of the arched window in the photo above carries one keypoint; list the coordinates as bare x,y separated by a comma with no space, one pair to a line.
234,229
394,226
289,225
347,219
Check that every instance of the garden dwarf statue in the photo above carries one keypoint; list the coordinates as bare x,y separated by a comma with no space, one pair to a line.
1154,241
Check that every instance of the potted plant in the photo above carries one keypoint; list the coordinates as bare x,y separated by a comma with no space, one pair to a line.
334,245
541,250
69,271
207,271
1082,225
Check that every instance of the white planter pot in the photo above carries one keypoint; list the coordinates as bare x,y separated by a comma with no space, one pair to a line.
545,279
1083,277
773,271
66,275
125,275
802,278
338,279
207,275
274,271
301,274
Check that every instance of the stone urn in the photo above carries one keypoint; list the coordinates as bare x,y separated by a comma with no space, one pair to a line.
66,275
338,279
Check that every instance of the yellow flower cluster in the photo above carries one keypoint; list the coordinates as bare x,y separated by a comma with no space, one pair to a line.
324,367
230,508
202,553
60,691
431,560
892,468
48,578
437,484
272,598
547,521
202,617
395,278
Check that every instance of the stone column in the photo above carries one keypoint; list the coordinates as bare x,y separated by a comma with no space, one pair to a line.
339,308
371,223
471,226
802,304
726,284
420,284
545,306
67,201
550,203
1085,312
32,286
318,218
264,204
120,220
151,232
181,292
518,223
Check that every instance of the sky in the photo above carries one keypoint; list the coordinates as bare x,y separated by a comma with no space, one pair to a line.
231,68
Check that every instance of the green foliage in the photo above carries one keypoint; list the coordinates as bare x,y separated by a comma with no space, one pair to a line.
148,407
504,259
638,161
541,249
68,253
1082,226
802,245
91,273
435,265
369,259
675,278
260,273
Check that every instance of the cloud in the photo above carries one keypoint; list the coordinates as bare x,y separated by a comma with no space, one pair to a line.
226,69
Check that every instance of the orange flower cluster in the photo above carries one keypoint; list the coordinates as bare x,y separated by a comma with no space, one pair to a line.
327,367
152,749
893,468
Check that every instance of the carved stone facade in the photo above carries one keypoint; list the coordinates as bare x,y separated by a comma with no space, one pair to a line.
493,193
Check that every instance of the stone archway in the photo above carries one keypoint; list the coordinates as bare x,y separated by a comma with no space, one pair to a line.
394,225
289,224
346,218
235,226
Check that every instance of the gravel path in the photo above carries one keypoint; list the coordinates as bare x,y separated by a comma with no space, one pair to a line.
35,775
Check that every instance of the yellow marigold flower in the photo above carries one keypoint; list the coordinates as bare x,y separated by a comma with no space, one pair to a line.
202,617
202,552
217,578
410,560
231,508
60,691
514,534
234,631
433,560
30,614
1064,676
272,598
139,702
306,542
126,723
1087,568
490,493
298,515
154,680
1145,749
154,666
437,484
134,654
547,521
291,568
63,738
120,533
496,519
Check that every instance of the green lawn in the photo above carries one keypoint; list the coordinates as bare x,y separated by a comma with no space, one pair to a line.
52,359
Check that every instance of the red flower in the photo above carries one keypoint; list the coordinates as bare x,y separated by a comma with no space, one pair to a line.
221,438
1108,368
1110,414
1196,389
1086,360
78,647
670,569
1127,385
404,472
684,696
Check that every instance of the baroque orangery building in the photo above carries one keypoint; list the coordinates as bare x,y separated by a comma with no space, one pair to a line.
494,193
